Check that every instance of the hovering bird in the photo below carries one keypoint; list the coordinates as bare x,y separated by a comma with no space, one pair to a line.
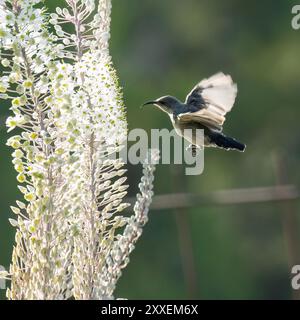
205,108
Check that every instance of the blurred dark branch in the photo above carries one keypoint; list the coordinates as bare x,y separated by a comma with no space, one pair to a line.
289,220
225,197
185,239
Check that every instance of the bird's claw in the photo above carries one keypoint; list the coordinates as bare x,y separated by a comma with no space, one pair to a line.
194,149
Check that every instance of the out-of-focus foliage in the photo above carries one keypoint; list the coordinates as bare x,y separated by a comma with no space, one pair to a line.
165,47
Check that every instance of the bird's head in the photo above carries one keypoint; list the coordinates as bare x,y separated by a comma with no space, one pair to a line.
167,104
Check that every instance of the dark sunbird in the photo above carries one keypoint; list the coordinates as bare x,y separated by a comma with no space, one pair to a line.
205,108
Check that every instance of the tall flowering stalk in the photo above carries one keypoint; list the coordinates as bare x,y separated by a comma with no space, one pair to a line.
71,236
39,267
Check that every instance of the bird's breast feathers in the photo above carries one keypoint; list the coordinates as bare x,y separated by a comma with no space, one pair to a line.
188,131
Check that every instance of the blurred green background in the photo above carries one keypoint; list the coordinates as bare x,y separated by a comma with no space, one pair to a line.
208,251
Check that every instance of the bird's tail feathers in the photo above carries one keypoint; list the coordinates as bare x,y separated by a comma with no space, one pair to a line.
227,143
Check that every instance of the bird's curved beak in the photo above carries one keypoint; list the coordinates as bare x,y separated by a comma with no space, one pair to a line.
149,102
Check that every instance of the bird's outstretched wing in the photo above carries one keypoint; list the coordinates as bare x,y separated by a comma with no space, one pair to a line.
210,100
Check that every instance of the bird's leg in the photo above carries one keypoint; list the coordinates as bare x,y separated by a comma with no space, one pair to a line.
193,149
